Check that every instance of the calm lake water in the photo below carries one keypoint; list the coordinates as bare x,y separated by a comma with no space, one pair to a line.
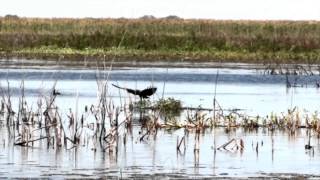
250,90
246,89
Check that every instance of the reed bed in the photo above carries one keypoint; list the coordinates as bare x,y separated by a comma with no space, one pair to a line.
104,125
159,39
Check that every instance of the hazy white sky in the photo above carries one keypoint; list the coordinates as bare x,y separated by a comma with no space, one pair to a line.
211,9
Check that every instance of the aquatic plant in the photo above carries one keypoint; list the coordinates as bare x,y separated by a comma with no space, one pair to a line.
169,106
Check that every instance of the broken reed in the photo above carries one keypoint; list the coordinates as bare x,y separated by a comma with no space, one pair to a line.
253,41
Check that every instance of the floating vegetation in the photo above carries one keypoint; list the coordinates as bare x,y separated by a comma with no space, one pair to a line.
169,106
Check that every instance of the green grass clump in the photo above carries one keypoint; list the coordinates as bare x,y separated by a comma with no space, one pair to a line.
169,107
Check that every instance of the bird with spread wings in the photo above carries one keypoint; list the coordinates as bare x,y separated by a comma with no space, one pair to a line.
143,94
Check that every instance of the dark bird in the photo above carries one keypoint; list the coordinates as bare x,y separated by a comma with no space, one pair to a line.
308,146
146,93
55,92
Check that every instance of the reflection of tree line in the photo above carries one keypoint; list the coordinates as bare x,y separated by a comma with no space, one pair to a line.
295,71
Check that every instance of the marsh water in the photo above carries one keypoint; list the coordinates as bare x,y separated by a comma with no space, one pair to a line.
250,90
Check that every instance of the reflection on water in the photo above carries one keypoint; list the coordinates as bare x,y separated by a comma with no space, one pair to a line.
264,151
159,155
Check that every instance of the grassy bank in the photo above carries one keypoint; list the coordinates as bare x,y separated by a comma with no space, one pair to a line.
161,39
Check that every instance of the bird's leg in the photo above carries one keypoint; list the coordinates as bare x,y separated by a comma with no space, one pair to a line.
140,107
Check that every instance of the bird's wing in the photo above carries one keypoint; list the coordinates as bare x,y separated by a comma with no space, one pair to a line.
132,91
148,91
118,86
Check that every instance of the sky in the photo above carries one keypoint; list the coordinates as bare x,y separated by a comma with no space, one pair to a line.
190,9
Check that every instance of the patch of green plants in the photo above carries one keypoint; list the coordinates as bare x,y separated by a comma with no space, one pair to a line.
169,107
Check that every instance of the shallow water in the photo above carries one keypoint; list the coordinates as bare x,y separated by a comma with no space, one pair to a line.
245,89
158,155
250,90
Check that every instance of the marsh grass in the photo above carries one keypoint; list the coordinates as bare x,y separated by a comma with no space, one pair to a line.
158,39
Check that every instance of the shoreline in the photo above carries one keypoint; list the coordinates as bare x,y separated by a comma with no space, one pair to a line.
64,64
196,41
197,56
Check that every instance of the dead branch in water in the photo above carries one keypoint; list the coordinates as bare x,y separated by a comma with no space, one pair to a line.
237,145
226,144
23,143
179,143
